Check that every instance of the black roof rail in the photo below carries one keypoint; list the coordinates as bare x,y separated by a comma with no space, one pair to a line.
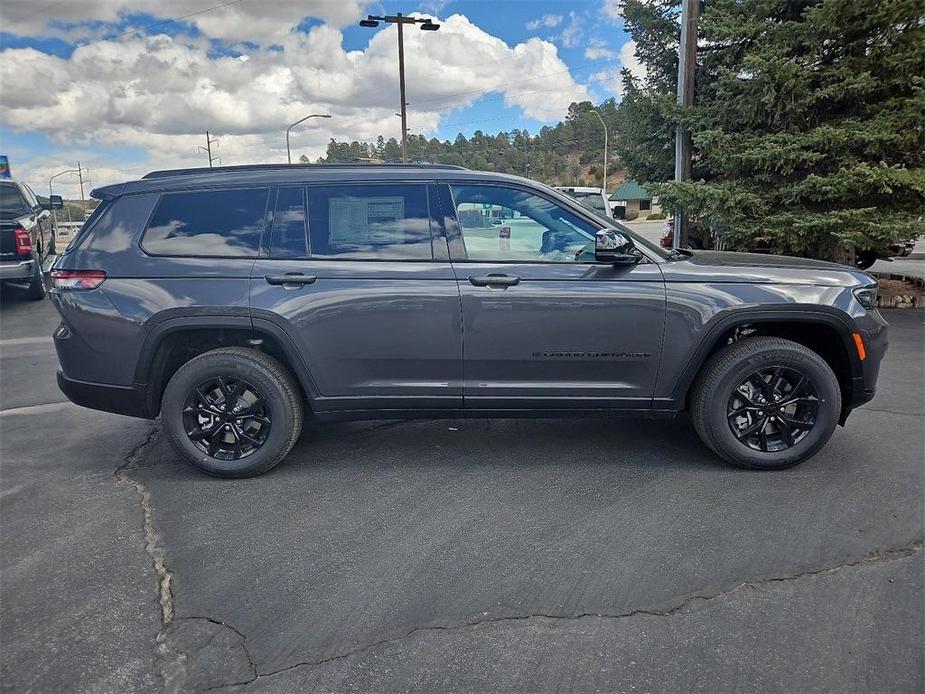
287,167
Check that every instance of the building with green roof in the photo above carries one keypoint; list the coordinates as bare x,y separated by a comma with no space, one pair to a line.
630,200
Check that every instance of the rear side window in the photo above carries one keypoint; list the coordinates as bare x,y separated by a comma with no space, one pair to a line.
12,203
208,223
371,222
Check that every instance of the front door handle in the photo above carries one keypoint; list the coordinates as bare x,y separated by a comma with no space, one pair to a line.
290,278
494,281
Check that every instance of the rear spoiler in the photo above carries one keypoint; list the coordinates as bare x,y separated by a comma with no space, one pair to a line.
108,192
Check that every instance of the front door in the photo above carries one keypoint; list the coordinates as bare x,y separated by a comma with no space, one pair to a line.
543,324
367,293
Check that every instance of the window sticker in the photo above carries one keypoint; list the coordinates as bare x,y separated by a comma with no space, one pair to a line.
361,221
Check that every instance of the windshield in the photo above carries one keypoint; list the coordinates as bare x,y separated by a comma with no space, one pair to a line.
12,203
593,200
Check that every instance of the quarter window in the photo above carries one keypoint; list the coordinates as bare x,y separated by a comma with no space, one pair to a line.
372,222
512,225
208,223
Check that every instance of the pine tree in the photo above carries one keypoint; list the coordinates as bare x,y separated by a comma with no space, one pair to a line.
806,126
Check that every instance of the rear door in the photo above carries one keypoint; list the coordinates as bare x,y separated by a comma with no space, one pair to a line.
359,276
544,326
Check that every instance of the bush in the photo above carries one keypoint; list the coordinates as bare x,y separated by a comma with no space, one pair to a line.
631,215
656,216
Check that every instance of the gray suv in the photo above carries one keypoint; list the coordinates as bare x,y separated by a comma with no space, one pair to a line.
236,301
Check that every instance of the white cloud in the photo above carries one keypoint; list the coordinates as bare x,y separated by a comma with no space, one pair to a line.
613,10
548,21
599,53
243,20
612,80
160,94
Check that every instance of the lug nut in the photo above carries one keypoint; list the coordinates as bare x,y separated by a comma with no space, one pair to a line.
227,427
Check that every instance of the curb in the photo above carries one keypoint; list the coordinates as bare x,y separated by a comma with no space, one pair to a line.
915,300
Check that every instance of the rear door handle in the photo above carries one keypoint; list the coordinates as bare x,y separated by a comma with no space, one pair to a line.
290,278
494,281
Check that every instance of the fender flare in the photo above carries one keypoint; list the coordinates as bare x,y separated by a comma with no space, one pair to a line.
197,320
725,321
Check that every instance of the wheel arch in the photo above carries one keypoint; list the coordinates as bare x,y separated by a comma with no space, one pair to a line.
174,341
826,332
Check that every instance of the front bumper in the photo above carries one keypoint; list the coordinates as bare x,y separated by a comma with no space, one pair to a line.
17,269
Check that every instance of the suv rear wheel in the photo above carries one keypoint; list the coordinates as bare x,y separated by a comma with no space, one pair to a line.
765,403
232,412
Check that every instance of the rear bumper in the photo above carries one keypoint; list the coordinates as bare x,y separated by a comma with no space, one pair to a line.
126,400
17,269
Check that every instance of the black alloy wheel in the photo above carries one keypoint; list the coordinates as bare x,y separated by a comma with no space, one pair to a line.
226,418
773,409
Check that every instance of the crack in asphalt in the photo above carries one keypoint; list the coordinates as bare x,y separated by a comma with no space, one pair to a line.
889,554
169,664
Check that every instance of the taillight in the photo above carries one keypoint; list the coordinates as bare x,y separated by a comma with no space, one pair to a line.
77,279
23,241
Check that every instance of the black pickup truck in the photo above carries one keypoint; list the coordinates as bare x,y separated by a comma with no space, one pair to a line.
27,237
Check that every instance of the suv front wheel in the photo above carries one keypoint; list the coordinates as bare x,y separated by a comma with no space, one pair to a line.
765,403
232,412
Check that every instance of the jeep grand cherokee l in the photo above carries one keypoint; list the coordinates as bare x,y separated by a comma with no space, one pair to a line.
232,302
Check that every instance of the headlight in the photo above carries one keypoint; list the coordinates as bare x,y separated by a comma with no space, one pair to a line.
866,296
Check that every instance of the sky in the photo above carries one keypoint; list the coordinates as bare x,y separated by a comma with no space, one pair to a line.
117,86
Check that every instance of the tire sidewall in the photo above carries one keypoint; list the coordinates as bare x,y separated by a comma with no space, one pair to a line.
202,369
829,408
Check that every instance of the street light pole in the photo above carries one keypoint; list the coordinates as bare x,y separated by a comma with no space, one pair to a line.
314,115
398,18
606,137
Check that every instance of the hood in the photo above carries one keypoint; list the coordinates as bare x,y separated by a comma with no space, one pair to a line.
725,266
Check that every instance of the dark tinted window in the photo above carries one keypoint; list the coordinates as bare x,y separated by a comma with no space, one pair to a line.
220,222
12,203
289,225
369,222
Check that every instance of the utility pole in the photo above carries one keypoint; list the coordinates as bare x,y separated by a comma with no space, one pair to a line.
398,18
606,137
80,175
208,148
687,61
54,213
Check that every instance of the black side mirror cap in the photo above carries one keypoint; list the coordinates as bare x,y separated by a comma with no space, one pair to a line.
612,247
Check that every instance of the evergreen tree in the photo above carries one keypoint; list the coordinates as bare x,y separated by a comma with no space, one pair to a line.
807,121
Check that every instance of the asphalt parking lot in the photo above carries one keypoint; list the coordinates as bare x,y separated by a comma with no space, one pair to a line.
463,555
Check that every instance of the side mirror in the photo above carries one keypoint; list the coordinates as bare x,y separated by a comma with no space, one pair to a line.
613,248
55,202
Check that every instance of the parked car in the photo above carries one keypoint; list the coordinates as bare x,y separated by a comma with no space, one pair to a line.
698,238
595,198
234,302
27,237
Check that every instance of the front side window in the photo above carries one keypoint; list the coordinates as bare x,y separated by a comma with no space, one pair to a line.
208,223
512,225
369,222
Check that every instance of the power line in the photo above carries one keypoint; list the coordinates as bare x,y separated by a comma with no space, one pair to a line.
228,3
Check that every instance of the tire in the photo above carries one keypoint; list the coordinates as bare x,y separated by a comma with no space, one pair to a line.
36,289
722,412
53,246
864,259
194,400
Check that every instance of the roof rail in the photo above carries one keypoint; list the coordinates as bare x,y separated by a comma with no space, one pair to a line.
202,170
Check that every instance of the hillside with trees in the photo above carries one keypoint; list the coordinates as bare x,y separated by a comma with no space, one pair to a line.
569,153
